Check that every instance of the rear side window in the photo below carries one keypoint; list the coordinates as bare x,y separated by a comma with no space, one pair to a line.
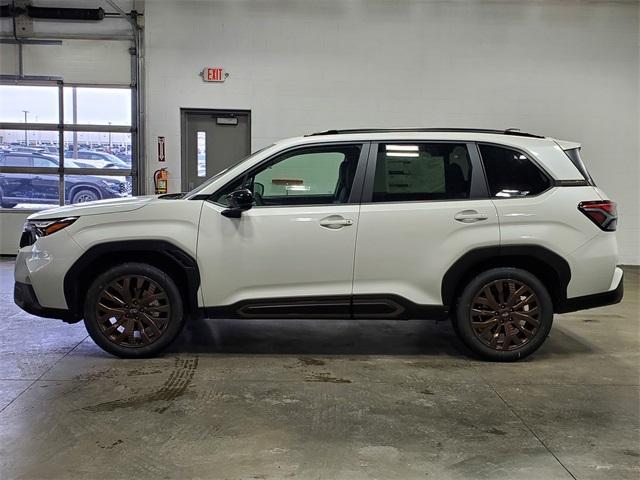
421,172
17,161
511,174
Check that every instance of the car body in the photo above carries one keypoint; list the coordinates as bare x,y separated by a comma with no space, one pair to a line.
43,188
98,159
497,230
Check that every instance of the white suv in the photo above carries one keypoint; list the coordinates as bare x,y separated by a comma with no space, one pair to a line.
495,229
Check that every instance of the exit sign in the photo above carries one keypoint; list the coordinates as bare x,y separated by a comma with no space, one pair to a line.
214,74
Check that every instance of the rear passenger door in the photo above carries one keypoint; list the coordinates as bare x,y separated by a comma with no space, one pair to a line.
425,204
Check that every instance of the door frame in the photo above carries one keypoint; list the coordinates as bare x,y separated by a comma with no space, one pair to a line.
184,112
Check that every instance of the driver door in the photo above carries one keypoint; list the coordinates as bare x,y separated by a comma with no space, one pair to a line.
292,253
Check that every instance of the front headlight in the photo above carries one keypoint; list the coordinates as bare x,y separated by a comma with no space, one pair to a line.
35,229
111,185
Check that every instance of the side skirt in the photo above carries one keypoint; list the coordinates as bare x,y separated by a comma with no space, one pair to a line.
383,307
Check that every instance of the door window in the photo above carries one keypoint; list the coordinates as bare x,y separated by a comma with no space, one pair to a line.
309,176
511,174
421,172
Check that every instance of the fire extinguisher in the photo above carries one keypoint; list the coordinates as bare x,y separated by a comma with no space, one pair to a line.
160,180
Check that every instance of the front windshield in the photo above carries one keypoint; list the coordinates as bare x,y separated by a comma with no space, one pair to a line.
209,181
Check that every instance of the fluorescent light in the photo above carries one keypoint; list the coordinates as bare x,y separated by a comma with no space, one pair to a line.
404,148
402,154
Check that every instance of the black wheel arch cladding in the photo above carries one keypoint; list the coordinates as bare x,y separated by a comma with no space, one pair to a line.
550,268
161,254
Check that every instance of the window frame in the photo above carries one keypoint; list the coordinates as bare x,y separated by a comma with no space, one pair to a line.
551,181
62,127
478,190
358,179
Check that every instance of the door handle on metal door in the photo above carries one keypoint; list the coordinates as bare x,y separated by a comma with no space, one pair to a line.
335,221
470,216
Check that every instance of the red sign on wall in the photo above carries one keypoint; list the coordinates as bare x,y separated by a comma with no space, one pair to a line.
214,74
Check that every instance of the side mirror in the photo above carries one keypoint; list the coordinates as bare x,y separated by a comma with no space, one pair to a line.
238,201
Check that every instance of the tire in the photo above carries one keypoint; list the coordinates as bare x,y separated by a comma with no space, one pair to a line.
4,204
133,310
518,312
84,195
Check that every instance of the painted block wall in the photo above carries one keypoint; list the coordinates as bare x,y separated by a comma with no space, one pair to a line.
564,69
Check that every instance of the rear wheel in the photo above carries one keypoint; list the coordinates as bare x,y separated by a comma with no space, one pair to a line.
504,314
133,310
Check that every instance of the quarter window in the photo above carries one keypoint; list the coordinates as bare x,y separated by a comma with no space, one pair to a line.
422,172
511,174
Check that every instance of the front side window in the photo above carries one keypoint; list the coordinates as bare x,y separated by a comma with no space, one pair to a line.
308,176
422,172
511,174
44,162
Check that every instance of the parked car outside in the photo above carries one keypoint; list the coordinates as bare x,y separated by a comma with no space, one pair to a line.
496,230
16,188
97,159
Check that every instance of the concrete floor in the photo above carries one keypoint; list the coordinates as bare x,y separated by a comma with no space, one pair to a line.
320,400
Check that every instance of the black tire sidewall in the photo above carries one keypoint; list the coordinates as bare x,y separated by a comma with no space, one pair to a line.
84,190
176,321
462,321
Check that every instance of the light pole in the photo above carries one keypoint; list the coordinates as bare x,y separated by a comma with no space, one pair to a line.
110,148
26,141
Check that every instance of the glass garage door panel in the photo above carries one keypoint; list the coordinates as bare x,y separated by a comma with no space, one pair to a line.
30,104
88,188
97,106
103,150
29,190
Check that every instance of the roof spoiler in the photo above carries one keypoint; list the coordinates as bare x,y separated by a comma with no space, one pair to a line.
566,145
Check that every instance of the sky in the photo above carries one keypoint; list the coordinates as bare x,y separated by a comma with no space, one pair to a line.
96,106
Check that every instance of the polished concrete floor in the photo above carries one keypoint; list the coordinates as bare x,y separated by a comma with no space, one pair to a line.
320,400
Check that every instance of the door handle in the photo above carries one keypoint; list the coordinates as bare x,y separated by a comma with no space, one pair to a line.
470,216
335,222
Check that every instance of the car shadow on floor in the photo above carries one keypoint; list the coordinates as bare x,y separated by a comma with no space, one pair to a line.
343,337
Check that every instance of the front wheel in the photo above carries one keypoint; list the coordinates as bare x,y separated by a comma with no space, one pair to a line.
84,195
504,314
133,310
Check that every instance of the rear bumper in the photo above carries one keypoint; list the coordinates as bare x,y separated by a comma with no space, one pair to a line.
592,301
25,298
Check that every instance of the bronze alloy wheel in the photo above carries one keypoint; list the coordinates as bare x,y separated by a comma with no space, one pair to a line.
505,314
133,311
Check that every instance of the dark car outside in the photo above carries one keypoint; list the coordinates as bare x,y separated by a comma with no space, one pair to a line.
16,188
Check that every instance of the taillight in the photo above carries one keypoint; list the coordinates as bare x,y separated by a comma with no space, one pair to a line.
601,212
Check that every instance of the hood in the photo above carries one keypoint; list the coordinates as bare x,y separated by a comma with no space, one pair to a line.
113,205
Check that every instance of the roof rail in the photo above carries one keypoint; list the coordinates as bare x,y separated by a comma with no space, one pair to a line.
508,131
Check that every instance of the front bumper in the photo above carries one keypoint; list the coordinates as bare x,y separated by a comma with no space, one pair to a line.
592,301
25,298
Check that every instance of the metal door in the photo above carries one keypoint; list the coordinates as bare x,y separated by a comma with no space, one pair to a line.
212,140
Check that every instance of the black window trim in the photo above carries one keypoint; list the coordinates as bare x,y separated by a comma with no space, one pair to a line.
479,189
356,188
552,182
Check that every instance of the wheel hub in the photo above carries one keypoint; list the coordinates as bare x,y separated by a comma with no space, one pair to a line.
133,311
505,314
